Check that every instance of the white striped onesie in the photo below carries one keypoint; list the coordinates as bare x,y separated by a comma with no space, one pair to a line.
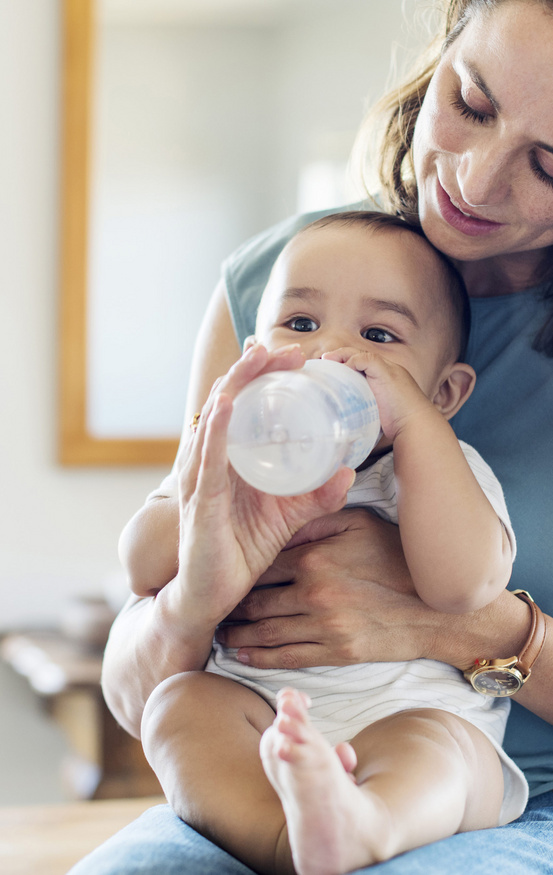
348,698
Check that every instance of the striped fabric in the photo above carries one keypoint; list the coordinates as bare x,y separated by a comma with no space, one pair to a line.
346,699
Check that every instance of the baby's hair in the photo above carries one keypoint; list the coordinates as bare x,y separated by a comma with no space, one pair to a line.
452,279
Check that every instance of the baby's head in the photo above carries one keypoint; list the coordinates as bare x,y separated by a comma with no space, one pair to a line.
368,280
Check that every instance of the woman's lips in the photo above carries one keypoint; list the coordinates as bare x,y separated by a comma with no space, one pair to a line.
470,225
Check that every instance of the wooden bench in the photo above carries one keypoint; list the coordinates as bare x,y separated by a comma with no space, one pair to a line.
49,839
103,761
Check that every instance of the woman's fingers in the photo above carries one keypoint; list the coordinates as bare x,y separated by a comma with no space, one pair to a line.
278,600
256,361
272,632
289,656
212,477
245,369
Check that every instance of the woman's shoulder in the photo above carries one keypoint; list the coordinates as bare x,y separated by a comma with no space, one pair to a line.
247,270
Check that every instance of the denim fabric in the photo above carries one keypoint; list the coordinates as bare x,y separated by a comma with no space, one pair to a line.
524,847
158,843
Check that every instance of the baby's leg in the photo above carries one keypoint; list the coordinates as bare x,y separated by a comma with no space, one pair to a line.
421,776
201,736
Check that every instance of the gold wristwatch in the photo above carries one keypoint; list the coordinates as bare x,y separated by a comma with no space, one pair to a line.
505,677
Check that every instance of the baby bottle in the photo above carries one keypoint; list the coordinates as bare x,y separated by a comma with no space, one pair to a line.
290,431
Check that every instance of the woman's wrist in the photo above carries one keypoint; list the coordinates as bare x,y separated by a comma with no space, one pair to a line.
182,629
148,643
498,630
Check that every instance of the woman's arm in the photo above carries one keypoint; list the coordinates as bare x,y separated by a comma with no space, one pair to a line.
148,546
327,607
229,534
351,600
146,645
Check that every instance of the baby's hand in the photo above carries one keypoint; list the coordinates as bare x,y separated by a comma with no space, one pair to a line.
399,398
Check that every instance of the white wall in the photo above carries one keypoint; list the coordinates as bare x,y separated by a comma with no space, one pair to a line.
183,123
58,527
203,130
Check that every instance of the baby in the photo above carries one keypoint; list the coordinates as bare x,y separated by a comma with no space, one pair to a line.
361,762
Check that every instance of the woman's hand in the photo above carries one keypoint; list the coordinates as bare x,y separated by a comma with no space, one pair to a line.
230,532
350,599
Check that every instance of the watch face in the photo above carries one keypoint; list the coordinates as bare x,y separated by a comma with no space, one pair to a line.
496,682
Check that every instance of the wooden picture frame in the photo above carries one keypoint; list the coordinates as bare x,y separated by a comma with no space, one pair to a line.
76,445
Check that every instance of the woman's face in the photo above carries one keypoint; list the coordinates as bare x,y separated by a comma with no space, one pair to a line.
483,144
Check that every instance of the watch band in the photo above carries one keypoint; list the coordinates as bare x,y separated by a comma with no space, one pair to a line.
536,639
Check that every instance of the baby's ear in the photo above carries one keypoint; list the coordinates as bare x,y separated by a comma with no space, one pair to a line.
249,342
456,387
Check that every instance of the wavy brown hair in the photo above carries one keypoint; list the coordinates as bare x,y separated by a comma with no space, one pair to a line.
396,114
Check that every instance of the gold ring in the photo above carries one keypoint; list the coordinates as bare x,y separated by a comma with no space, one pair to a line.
194,423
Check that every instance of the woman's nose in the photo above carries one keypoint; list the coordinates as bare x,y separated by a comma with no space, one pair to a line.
483,178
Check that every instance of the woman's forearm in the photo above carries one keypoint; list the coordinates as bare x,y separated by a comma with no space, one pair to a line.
352,601
146,646
499,631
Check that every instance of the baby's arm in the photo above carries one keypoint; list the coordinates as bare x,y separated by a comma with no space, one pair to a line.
149,545
455,545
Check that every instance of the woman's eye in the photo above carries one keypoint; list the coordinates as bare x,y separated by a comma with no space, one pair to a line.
539,171
467,111
302,323
378,335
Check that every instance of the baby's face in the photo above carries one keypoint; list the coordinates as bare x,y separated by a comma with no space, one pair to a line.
377,290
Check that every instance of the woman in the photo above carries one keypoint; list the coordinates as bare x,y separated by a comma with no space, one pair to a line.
469,150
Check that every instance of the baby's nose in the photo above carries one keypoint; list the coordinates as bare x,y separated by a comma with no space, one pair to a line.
341,354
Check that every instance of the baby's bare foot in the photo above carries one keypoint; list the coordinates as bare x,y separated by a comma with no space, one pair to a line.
328,817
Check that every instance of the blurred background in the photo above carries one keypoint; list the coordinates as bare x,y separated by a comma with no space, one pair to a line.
208,121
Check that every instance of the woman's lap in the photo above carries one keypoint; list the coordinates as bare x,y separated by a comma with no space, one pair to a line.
524,846
158,843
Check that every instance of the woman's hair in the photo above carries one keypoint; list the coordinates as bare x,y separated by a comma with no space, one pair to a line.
455,298
399,111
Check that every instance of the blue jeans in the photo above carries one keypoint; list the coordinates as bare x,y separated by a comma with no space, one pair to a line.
158,843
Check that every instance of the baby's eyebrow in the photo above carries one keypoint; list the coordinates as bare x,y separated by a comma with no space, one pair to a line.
303,293
310,293
392,306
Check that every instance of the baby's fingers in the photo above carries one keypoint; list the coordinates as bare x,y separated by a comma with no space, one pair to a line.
368,363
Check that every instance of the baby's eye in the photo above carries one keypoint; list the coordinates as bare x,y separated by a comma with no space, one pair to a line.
302,323
378,335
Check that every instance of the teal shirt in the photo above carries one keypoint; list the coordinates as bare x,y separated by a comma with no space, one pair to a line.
508,419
